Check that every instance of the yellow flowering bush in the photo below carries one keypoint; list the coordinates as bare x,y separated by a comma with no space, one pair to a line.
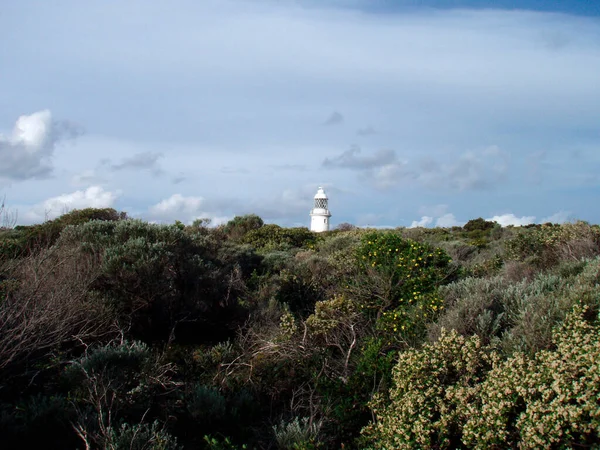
406,324
405,268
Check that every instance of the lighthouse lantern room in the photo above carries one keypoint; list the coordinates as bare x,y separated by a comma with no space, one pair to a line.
319,215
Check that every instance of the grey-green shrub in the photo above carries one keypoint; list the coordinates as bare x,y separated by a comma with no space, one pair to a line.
297,434
139,437
206,404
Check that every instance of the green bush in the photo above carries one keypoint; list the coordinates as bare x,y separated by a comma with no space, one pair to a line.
478,225
206,404
399,270
273,237
546,245
239,226
139,437
156,275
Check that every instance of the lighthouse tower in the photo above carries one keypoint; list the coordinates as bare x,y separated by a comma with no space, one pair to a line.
319,215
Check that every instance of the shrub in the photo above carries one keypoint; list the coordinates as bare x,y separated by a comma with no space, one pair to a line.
431,387
297,434
120,362
239,226
38,421
156,276
273,237
110,383
44,235
549,400
473,306
478,224
398,270
546,245
48,304
456,393
206,404
139,437
522,314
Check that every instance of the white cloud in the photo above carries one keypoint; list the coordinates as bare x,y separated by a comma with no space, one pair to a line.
559,217
424,222
511,219
446,221
184,209
92,197
27,151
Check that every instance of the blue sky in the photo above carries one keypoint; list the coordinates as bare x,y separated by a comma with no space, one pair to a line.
408,112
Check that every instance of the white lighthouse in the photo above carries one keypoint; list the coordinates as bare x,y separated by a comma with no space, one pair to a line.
319,215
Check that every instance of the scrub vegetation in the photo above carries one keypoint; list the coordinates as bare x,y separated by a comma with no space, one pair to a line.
121,334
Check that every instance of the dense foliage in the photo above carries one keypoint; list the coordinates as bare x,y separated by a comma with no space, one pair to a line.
116,333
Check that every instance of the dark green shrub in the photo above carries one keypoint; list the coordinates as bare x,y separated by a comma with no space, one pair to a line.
273,237
45,234
479,225
206,404
38,421
160,278
239,226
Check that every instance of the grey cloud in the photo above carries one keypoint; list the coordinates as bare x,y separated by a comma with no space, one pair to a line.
140,161
229,169
471,171
87,178
16,164
382,169
66,129
429,165
555,39
178,179
367,131
335,118
293,167
535,166
351,159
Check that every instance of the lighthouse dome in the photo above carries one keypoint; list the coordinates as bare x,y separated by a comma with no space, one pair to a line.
320,194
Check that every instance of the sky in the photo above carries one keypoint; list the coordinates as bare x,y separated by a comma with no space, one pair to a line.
408,113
